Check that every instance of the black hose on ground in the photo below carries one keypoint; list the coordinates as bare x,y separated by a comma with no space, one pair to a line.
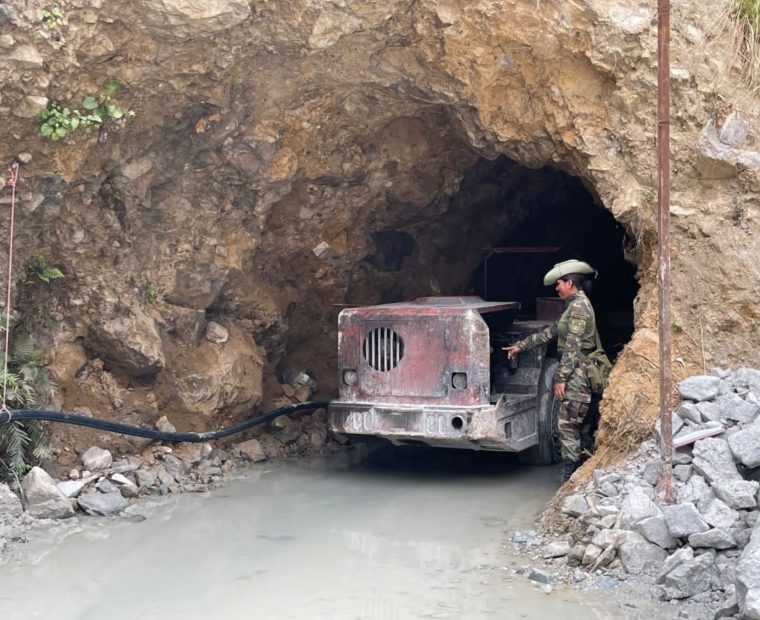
20,415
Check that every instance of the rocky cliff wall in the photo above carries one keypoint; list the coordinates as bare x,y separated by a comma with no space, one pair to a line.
264,145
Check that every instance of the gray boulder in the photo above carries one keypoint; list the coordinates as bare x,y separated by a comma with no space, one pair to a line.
655,529
125,486
682,472
712,458
557,549
102,503
709,411
651,471
691,577
72,488
145,478
745,445
738,494
525,537
575,505
638,555
42,497
696,491
748,576
699,388
252,450
749,378
688,411
95,459
715,538
678,557
684,520
719,514
726,568
636,507
734,407
751,608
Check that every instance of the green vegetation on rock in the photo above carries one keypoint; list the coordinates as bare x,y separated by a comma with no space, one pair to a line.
39,269
23,444
58,120
52,17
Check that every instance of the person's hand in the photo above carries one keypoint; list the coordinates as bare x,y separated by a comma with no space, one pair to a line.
511,351
559,391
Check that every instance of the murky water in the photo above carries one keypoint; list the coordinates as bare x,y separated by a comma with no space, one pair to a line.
382,536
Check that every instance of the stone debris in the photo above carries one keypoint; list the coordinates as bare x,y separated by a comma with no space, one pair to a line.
95,458
703,548
105,485
163,425
217,333
42,498
102,504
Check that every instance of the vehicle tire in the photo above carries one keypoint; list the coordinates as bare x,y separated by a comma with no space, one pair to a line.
548,450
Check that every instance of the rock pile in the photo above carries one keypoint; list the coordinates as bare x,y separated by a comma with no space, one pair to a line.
705,546
102,485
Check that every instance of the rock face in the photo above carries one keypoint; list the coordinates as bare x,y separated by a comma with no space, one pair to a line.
289,157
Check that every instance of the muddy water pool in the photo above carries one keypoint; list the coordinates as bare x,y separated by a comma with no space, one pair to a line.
370,535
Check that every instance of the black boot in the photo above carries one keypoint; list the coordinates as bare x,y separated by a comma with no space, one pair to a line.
568,468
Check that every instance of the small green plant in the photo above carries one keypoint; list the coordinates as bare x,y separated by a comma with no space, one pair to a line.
52,17
677,325
747,14
58,120
102,107
27,385
151,294
39,269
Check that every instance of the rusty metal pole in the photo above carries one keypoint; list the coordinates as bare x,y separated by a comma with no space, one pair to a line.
663,272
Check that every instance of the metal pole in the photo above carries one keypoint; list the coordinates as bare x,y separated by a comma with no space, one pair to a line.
663,272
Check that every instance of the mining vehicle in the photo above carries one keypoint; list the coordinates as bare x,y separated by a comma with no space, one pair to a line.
432,372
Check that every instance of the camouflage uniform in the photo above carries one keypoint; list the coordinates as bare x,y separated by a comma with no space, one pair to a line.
576,337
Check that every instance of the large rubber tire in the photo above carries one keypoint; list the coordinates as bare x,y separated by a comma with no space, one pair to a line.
549,448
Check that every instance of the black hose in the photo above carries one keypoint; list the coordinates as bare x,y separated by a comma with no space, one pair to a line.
20,415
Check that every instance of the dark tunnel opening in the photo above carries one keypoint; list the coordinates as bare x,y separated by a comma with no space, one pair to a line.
412,364
496,237
558,218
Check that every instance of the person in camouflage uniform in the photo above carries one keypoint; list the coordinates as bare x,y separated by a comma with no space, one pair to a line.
575,332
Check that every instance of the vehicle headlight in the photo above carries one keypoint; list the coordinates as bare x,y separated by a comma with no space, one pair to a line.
459,380
349,376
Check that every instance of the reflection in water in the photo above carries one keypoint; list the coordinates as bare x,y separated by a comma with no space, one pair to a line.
377,535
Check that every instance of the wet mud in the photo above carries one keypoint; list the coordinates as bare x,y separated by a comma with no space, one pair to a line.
374,534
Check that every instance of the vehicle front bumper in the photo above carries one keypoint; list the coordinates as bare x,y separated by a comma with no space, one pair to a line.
474,428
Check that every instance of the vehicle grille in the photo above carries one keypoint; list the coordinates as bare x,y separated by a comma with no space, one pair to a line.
383,349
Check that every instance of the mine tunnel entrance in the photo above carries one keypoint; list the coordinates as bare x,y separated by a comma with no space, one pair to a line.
415,373
548,216
496,237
